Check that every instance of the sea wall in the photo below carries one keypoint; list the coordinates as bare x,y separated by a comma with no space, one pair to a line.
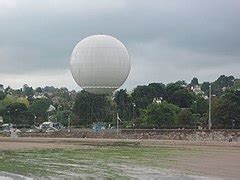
160,134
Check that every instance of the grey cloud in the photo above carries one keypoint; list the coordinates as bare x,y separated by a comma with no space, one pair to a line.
200,35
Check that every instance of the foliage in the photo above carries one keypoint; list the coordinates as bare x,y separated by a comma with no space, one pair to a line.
124,105
9,99
23,100
38,90
92,108
236,85
84,108
17,113
142,96
194,82
39,108
170,89
28,91
182,98
162,114
63,116
222,84
226,109
2,95
185,117
205,87
199,106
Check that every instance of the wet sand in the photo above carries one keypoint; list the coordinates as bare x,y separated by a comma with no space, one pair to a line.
211,158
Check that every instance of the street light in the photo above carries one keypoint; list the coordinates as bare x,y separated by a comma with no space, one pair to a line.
133,122
210,108
16,114
195,109
34,121
233,123
60,109
69,123
133,113
8,118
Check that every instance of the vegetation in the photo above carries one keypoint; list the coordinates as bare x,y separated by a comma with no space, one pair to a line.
154,105
100,161
162,114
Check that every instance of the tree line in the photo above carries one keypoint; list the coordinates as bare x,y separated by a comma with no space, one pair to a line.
156,105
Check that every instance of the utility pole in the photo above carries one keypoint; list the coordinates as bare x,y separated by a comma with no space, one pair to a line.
210,107
34,121
9,117
117,124
69,124
118,119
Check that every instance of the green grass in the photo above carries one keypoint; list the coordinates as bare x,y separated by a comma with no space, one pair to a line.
99,161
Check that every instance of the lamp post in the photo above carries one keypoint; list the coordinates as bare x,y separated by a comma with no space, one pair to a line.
60,110
133,113
8,118
195,119
133,122
117,124
118,119
210,108
233,123
34,120
69,123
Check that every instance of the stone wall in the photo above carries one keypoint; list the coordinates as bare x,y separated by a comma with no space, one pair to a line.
187,134
160,134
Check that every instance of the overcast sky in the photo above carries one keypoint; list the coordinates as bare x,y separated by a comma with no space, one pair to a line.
167,40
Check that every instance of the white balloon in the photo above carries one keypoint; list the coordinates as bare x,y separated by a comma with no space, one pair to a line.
100,64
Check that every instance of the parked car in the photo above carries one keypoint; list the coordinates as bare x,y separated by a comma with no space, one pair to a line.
6,127
51,126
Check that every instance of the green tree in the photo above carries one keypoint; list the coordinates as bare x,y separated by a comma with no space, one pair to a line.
163,114
28,91
205,87
18,114
185,117
38,90
222,84
2,95
194,82
182,98
199,106
171,88
8,90
2,108
226,109
23,100
236,85
62,116
181,83
124,105
39,108
9,99
142,96
92,108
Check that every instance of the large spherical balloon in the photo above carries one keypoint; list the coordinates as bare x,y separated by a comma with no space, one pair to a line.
100,64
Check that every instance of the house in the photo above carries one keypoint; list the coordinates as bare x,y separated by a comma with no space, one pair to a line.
157,100
197,90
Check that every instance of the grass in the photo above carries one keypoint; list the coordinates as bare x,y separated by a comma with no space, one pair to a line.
100,161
